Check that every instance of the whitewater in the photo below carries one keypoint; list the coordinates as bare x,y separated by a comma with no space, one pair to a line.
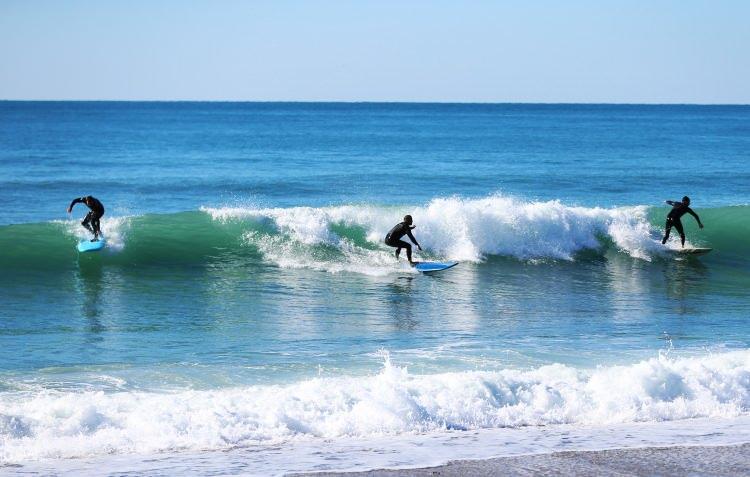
56,424
469,230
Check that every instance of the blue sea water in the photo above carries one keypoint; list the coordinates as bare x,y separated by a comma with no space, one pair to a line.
245,304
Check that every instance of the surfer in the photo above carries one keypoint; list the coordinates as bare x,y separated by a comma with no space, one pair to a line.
393,238
96,210
673,218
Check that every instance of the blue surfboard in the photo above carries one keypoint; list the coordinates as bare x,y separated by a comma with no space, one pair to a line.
426,267
89,246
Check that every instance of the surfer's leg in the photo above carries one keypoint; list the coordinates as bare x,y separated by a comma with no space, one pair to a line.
667,228
394,244
87,222
96,228
678,227
407,246
399,244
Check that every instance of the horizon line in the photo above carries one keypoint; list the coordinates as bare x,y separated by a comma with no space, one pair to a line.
305,101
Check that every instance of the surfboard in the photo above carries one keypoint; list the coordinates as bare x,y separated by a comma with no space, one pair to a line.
692,251
89,246
426,267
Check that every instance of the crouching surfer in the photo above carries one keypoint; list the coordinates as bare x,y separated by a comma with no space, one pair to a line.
393,238
96,210
673,218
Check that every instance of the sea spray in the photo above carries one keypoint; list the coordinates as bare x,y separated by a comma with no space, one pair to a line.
469,229
47,423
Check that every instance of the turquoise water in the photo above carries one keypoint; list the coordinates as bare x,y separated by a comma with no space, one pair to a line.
245,299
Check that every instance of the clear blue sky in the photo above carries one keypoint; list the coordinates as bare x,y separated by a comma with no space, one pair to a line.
524,51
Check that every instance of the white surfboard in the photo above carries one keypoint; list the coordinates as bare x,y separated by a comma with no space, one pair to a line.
691,251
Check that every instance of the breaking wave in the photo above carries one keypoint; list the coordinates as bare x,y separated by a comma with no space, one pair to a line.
392,402
349,237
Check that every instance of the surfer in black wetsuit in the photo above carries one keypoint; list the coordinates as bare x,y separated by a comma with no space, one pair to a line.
393,238
673,219
96,210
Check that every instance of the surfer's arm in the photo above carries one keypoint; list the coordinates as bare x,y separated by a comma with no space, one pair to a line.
697,219
413,240
671,202
75,201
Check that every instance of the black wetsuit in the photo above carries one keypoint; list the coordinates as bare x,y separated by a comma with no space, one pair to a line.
673,219
393,238
91,221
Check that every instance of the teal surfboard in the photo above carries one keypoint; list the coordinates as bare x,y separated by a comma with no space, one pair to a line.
89,246
426,267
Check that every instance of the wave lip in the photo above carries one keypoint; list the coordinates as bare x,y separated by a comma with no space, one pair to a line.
392,402
463,229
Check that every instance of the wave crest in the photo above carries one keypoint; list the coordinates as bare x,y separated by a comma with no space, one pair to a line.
350,237
469,229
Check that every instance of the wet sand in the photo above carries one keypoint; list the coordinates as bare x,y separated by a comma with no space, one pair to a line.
720,460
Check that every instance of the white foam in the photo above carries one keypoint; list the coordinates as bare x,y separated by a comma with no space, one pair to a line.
348,257
392,402
114,230
406,451
456,229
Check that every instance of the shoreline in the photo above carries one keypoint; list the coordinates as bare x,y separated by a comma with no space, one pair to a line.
645,461
696,446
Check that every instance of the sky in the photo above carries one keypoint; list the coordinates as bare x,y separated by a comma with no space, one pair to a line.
574,51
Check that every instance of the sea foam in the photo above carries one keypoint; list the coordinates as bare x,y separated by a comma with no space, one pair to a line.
449,228
113,229
56,424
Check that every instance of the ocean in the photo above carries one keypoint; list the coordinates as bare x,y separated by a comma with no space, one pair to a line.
245,316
